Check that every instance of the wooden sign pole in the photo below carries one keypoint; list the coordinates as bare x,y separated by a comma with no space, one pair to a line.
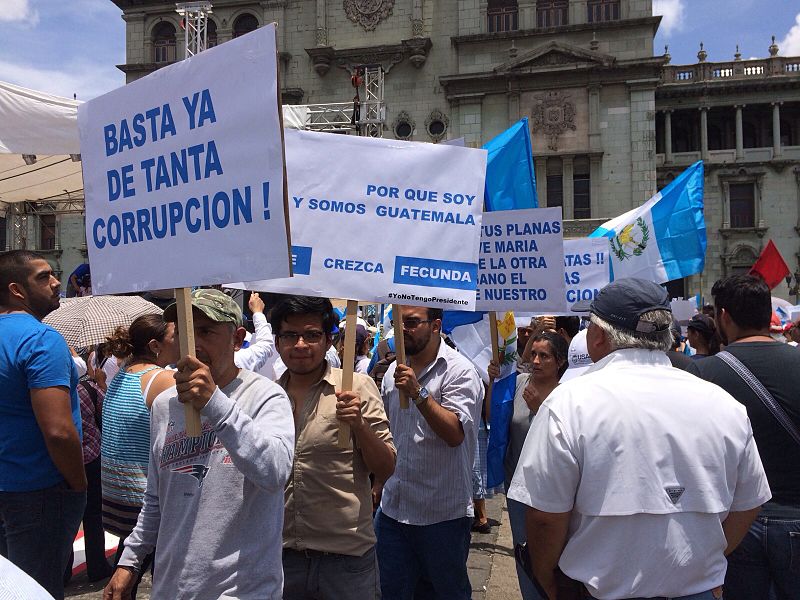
183,297
496,358
399,345
348,364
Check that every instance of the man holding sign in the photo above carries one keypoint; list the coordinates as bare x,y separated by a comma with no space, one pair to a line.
213,503
328,538
426,512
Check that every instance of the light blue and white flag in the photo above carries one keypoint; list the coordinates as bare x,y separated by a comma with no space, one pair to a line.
665,238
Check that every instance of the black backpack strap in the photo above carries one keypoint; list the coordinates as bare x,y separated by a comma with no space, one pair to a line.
762,393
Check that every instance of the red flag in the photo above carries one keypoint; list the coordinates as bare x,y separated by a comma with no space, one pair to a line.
770,266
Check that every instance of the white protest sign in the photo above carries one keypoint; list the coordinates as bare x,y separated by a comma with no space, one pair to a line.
585,269
183,173
521,255
683,310
382,220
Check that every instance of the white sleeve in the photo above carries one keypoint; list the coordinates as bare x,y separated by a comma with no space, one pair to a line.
752,489
261,348
548,473
80,364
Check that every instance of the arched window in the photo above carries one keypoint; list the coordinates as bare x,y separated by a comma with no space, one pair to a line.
244,24
164,43
503,15
211,34
552,13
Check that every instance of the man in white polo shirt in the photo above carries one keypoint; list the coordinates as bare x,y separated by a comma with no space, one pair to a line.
640,478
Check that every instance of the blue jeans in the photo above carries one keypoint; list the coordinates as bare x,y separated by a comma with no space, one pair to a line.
310,575
436,554
768,558
516,517
40,527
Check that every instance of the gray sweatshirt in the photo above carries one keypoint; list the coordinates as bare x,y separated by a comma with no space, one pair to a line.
215,503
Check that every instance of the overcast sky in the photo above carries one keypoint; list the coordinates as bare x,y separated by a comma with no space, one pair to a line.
68,47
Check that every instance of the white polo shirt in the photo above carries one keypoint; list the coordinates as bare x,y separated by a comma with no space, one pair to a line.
650,460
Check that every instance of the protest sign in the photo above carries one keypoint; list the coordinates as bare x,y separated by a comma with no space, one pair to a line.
183,173
585,269
521,254
382,220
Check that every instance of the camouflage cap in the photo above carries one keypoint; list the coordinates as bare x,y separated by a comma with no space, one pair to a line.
214,304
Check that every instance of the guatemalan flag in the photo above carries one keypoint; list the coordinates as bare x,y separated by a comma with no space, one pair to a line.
665,238
510,184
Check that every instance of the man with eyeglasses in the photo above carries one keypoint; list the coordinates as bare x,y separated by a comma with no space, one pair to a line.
426,512
328,537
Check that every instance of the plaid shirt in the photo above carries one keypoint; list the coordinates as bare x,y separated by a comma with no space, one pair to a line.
91,432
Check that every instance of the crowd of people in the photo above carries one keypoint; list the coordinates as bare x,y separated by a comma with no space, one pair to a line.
641,462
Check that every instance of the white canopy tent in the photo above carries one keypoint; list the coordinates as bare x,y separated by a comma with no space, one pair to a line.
34,124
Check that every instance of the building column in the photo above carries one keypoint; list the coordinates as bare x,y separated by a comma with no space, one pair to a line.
668,136
594,118
417,24
739,133
595,176
540,168
776,129
513,106
704,132
322,27
567,182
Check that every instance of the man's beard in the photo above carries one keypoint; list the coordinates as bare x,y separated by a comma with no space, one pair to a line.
416,346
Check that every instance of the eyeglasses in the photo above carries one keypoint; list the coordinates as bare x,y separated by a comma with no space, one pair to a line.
310,337
414,323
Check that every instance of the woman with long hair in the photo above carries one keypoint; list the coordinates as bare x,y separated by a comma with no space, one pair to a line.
703,336
548,360
145,348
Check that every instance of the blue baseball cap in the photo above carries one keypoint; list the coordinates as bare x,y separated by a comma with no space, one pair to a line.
623,302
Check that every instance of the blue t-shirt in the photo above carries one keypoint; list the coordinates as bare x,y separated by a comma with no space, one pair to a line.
32,355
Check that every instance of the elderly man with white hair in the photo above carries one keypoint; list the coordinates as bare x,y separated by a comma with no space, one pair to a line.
639,478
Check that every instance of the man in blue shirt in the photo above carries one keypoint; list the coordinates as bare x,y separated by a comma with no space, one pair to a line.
42,479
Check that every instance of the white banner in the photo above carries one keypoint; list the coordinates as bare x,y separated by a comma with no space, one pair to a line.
520,261
383,220
183,173
585,269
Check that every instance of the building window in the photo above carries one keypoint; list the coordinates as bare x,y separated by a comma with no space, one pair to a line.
164,43
581,186
603,10
211,33
3,238
47,232
742,202
552,13
403,126
555,182
244,24
741,260
503,15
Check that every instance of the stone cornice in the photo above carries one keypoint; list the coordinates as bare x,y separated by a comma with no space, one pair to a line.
386,55
550,31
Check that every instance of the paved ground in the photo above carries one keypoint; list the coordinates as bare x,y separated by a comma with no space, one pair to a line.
490,564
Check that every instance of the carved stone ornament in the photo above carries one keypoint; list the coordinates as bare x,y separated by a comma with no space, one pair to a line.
368,13
552,115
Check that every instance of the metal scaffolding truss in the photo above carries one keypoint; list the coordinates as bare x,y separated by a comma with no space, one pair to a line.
195,23
332,117
373,112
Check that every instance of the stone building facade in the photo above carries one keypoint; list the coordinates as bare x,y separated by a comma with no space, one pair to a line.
610,121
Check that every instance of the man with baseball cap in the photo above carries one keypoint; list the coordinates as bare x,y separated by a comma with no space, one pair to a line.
214,503
639,477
